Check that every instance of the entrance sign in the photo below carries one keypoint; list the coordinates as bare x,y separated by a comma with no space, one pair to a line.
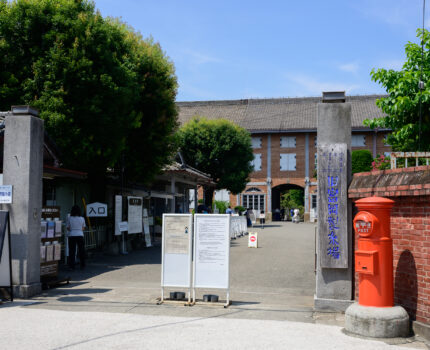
5,253
253,240
212,252
96,210
333,220
176,252
6,194
135,214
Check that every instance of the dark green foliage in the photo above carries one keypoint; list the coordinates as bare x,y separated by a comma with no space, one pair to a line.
361,161
402,104
220,148
101,89
292,199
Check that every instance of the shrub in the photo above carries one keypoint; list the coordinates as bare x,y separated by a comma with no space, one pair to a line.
221,206
381,163
361,161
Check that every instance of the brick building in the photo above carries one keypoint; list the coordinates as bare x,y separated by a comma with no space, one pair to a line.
284,139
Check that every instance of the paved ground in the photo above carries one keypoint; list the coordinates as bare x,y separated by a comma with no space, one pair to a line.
112,304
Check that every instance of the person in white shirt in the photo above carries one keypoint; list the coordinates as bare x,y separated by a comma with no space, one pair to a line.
75,228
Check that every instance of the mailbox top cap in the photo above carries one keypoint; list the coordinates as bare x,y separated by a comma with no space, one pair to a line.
374,202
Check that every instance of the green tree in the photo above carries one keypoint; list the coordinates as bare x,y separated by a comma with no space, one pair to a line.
402,106
219,148
101,89
294,198
361,161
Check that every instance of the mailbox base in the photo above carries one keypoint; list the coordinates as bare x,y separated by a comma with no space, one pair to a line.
377,322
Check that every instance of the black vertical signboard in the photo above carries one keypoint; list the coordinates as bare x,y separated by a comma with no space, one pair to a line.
5,254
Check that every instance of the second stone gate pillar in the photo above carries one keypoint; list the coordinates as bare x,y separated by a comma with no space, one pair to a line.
334,244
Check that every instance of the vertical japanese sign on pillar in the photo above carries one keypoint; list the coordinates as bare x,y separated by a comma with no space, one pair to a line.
334,273
333,220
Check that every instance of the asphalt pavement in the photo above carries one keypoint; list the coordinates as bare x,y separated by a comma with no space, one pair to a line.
113,304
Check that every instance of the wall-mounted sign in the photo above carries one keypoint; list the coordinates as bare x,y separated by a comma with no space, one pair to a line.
97,210
135,214
6,194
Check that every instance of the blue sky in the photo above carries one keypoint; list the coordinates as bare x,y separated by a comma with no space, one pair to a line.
256,49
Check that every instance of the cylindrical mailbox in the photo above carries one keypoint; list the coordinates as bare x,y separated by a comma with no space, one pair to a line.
374,254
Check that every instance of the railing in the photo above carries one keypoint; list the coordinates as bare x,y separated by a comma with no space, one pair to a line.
407,155
95,238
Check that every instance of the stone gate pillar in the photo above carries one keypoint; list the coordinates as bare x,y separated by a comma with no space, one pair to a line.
334,243
23,169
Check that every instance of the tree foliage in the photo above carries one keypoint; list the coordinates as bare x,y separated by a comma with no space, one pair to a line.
219,148
99,86
403,102
294,198
361,161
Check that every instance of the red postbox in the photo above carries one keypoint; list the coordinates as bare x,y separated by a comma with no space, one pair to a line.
374,254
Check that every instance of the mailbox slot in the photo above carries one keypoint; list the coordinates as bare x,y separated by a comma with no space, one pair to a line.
365,262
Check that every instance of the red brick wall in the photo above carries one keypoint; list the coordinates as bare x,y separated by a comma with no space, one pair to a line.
410,231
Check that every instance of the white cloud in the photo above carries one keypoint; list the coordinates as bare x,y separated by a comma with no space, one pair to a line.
310,86
351,67
200,58
395,13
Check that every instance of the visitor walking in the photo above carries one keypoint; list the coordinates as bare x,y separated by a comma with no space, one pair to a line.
75,228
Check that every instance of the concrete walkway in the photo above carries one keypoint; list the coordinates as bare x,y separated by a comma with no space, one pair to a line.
112,304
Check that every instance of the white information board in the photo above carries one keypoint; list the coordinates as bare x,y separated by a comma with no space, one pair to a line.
135,214
118,214
212,251
6,194
176,251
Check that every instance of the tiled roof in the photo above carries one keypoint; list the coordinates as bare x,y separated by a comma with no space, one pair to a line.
280,114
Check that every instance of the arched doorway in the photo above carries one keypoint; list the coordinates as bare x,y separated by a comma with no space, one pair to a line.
277,192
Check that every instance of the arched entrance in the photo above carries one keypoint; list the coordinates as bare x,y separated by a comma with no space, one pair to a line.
277,192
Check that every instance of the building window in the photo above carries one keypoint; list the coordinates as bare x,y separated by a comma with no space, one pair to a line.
314,201
288,142
316,141
256,163
256,142
288,162
254,201
358,140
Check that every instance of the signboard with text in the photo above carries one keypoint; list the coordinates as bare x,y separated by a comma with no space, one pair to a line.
6,194
332,205
97,209
212,251
176,250
135,214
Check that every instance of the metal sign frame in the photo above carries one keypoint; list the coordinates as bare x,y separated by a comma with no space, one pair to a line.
3,236
190,255
195,254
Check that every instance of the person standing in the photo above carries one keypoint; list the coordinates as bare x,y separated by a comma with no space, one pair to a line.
262,219
229,210
75,228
